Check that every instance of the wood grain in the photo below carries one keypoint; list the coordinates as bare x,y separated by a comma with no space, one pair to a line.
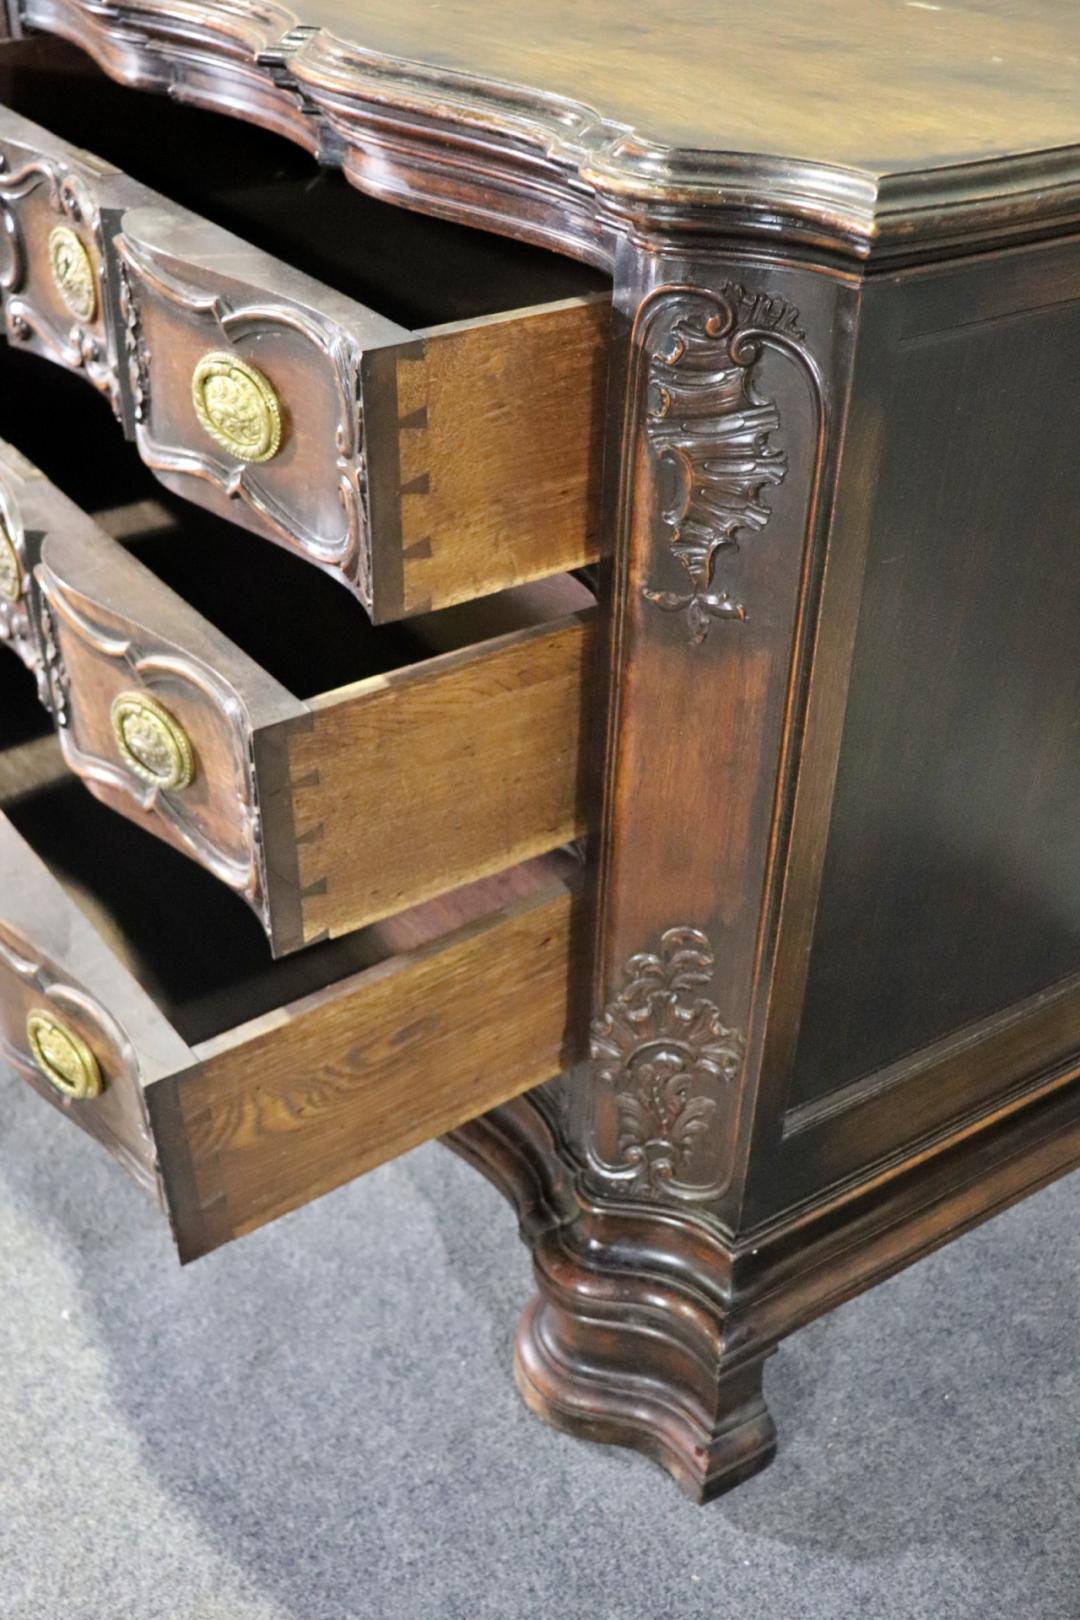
286,1108
500,425
438,774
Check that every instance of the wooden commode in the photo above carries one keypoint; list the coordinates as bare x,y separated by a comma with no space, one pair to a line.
538,558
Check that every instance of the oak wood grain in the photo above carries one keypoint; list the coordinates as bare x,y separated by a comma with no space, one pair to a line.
286,1108
523,498
460,766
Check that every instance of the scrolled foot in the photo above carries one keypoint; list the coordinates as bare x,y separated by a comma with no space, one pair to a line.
621,1359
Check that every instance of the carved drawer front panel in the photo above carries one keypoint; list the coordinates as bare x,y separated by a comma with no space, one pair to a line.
52,276
241,1088
327,813
419,469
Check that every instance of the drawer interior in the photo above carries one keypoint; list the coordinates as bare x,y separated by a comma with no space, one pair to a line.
308,634
275,195
157,912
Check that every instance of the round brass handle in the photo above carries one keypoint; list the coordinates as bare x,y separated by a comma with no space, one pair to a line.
153,745
11,576
73,273
63,1056
237,406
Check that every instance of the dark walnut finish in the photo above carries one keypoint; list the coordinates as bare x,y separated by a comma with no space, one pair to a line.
835,889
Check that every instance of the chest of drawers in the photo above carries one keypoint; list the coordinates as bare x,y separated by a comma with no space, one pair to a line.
612,706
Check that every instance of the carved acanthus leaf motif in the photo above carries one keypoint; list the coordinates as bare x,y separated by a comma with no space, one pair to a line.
663,1049
710,430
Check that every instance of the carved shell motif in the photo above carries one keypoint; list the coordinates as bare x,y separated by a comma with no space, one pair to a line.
710,432
663,1050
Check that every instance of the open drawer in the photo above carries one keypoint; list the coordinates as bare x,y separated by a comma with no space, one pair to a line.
138,998
329,771
421,457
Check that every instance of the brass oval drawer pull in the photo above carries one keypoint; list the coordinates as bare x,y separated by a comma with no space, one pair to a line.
237,406
152,744
11,579
62,1056
73,273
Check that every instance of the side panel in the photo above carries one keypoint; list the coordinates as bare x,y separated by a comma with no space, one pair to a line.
949,901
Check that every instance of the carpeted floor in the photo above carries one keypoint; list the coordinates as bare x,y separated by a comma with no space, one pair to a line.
319,1423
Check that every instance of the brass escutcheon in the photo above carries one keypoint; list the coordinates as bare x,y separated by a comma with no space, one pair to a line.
151,743
237,406
62,1056
73,272
11,580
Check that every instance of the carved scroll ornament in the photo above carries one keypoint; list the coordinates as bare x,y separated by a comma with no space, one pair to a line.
709,432
662,1053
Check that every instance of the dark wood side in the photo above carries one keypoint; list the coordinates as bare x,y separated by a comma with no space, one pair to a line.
947,907
726,779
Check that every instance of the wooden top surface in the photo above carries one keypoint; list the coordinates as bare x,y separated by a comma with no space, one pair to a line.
877,85
873,129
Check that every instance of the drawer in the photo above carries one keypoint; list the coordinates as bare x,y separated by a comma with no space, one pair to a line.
139,1000
420,462
455,754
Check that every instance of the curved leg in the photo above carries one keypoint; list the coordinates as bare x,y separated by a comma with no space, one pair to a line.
616,1345
642,1367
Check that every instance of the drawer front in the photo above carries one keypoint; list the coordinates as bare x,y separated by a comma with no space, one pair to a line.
153,710
242,398
153,730
52,252
73,1023
71,1049
275,1111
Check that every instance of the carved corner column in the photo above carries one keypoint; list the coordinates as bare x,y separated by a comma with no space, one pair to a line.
729,372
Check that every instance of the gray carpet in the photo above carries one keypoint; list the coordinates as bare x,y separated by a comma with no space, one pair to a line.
319,1423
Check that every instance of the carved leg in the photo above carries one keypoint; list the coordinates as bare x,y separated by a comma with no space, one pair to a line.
637,1361
619,1344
